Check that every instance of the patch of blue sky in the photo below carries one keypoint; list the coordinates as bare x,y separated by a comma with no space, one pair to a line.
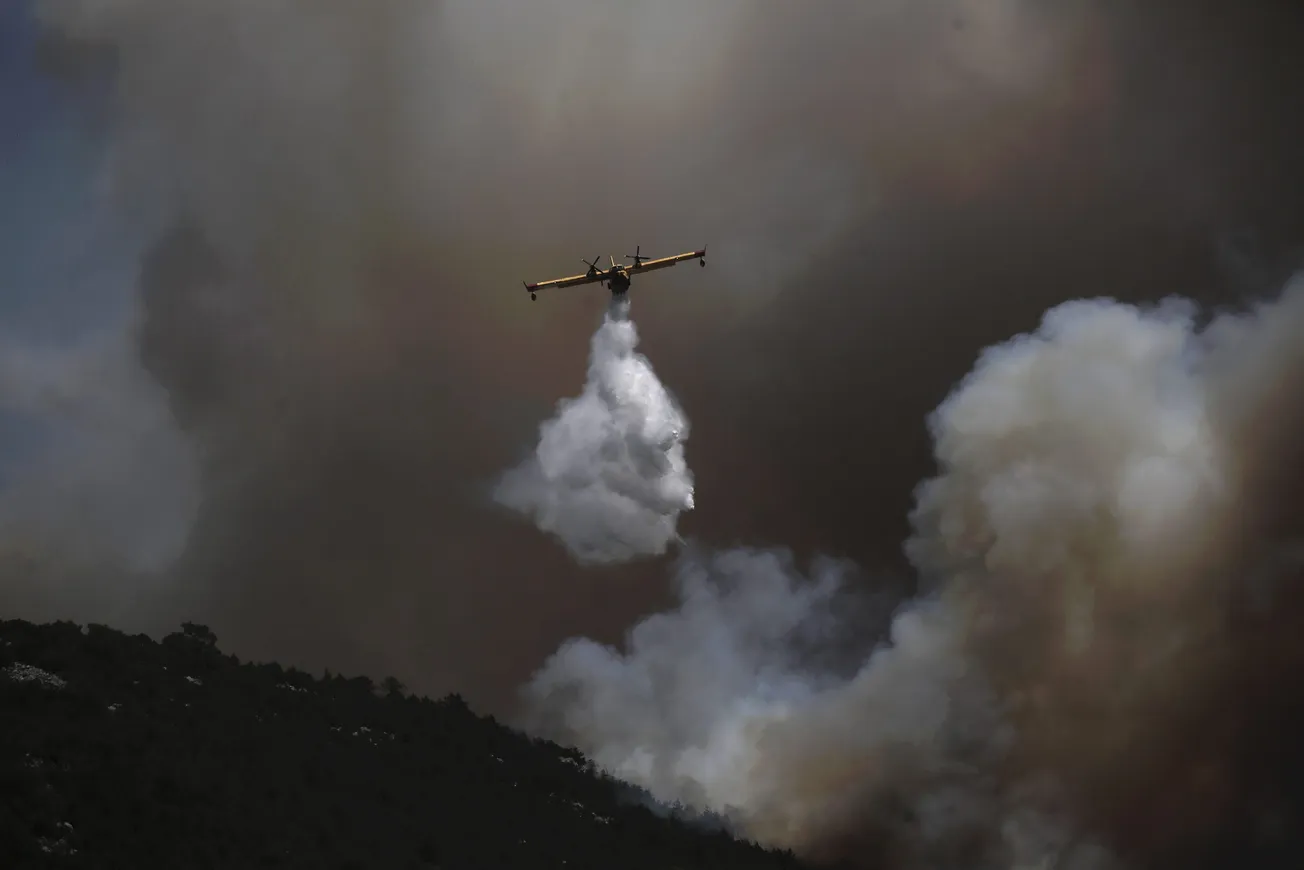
67,261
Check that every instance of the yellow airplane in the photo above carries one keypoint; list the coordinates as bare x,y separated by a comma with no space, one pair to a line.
616,278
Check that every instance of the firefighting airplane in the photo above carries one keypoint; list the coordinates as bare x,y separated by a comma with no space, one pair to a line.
616,278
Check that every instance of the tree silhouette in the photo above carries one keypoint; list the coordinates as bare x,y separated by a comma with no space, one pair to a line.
199,633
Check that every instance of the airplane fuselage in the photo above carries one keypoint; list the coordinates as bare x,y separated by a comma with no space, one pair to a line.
618,281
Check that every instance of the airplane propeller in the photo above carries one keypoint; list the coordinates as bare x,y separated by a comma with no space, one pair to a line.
637,257
593,267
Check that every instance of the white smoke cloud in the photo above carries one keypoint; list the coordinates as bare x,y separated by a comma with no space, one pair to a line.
609,477
1094,480
674,712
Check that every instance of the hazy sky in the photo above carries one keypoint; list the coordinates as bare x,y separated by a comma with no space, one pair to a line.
309,229
265,353
65,270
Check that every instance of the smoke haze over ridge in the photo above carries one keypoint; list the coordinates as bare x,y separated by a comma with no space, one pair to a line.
343,202
1093,552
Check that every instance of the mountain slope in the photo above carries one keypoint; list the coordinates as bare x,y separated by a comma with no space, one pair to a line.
119,751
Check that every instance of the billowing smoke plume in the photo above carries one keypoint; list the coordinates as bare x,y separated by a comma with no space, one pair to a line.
609,477
1066,691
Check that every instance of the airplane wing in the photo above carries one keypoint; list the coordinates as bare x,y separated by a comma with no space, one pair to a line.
663,262
572,281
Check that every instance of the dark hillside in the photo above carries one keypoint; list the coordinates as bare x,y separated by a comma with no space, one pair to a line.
123,752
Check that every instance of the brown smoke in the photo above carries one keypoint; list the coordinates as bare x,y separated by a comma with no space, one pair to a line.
352,194
347,195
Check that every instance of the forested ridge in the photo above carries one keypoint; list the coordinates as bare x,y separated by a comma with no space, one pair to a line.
120,751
